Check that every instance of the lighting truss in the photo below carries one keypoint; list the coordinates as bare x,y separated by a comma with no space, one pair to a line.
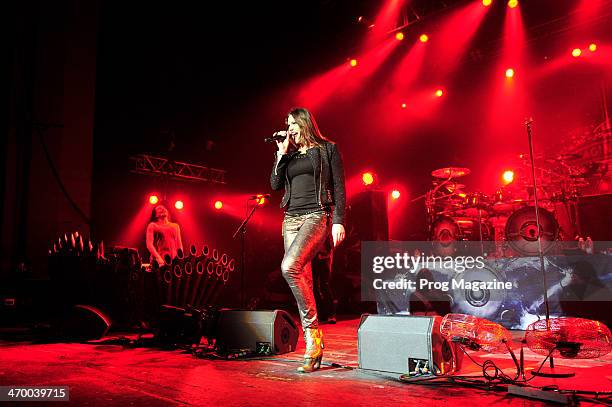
420,10
159,166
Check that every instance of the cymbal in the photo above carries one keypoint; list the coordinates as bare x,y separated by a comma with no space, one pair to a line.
456,188
450,172
567,157
451,186
579,183
525,156
564,157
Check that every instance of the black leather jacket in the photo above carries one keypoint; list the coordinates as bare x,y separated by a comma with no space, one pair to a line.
328,174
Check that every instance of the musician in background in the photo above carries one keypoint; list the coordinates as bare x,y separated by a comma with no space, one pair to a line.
321,276
163,236
309,167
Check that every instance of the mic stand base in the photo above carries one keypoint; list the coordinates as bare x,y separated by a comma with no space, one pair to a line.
554,372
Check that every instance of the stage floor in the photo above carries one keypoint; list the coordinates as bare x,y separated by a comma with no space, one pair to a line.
108,374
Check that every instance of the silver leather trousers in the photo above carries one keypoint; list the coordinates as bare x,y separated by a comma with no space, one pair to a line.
303,237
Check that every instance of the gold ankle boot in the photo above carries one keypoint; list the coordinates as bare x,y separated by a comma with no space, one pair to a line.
314,350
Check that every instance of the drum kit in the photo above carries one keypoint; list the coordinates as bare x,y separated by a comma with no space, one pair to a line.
504,223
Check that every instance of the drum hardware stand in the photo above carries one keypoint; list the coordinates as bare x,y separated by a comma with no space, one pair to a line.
428,198
243,228
480,230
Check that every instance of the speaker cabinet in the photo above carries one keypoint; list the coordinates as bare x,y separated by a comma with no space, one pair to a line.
368,215
404,344
594,217
258,331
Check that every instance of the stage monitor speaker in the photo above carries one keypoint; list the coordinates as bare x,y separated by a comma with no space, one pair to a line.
84,322
405,344
258,331
368,215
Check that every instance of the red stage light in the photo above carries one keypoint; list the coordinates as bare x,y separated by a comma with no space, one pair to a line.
424,38
179,205
509,73
404,105
367,178
508,176
576,52
439,93
512,3
487,3
395,194
153,199
593,47
260,199
353,63
218,205
399,36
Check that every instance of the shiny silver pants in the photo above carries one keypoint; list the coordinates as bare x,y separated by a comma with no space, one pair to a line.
303,237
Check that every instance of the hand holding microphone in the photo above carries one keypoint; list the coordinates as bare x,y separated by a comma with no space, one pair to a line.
277,136
283,140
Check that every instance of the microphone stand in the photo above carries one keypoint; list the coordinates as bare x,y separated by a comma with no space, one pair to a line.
528,123
551,372
242,228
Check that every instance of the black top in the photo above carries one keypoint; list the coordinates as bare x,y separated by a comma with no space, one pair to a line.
303,197
328,175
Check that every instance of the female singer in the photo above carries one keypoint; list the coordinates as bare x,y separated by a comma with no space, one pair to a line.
163,236
309,166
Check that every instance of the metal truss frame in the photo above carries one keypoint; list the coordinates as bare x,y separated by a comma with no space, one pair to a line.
159,166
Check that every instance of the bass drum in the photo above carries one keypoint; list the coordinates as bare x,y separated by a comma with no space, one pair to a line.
482,303
447,234
444,234
522,231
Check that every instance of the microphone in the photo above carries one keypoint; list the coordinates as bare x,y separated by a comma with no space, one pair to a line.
259,196
278,136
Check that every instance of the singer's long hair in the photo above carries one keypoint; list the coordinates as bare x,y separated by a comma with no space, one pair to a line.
308,126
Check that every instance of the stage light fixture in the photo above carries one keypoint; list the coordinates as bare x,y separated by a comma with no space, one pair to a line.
153,199
399,36
179,205
218,205
367,178
509,73
424,38
487,3
576,52
353,63
512,3
439,93
508,176
395,194
404,105
365,21
593,47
